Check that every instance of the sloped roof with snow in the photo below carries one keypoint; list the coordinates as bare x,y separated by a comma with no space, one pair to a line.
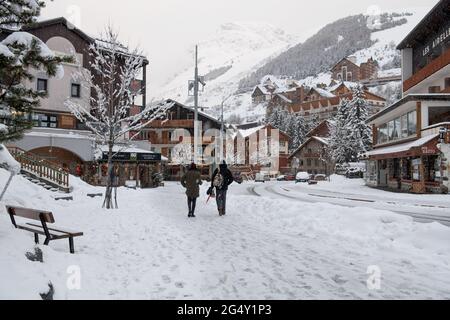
324,141
282,97
324,93
402,147
248,132
347,84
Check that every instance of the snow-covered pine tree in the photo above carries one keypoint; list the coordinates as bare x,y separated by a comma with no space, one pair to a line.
359,132
20,52
298,131
340,147
114,67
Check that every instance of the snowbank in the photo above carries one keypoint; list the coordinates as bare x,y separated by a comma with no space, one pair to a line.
7,161
263,249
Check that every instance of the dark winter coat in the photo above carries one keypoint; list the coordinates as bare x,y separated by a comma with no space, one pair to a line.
191,181
227,175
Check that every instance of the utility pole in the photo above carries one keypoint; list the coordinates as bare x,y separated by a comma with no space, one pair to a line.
196,133
222,127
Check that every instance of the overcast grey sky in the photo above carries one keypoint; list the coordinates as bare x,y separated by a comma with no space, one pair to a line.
166,28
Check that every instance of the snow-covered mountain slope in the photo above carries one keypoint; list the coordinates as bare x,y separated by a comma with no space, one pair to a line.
229,55
384,49
241,50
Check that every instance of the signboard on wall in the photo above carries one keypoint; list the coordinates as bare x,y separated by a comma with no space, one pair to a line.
67,122
133,157
435,46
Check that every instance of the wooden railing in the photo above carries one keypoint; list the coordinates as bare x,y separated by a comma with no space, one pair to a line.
41,168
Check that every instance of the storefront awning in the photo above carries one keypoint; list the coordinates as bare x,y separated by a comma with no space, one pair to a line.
419,147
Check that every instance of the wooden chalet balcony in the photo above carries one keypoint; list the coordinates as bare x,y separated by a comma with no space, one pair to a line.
431,68
176,124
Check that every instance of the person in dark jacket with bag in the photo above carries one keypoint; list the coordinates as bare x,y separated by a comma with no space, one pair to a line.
192,181
221,179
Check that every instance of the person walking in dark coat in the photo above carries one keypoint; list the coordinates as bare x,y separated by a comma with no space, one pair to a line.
192,181
221,179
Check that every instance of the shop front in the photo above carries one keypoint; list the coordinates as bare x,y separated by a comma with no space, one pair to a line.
132,167
416,167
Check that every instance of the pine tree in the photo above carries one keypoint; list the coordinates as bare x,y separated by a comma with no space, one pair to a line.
340,147
359,132
20,52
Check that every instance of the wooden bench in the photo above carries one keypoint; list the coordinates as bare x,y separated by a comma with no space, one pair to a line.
50,233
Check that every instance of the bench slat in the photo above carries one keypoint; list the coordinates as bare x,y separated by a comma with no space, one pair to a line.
59,231
31,214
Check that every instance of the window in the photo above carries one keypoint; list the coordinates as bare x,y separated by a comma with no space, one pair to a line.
45,121
42,85
397,129
383,133
309,162
439,115
75,90
349,76
412,123
391,129
404,124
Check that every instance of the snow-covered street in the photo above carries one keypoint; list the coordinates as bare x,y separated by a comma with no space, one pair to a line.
354,193
265,248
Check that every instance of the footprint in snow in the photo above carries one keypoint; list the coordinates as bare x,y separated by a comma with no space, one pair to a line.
338,279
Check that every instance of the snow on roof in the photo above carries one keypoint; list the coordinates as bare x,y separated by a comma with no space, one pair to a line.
122,148
249,132
62,134
262,88
324,141
348,84
402,147
284,98
324,93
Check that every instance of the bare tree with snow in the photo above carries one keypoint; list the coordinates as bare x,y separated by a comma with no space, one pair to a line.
114,68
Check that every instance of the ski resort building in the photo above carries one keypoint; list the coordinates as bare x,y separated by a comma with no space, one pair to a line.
256,141
58,142
323,103
313,156
348,69
412,136
165,138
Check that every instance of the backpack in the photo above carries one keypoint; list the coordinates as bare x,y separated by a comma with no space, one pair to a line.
218,180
